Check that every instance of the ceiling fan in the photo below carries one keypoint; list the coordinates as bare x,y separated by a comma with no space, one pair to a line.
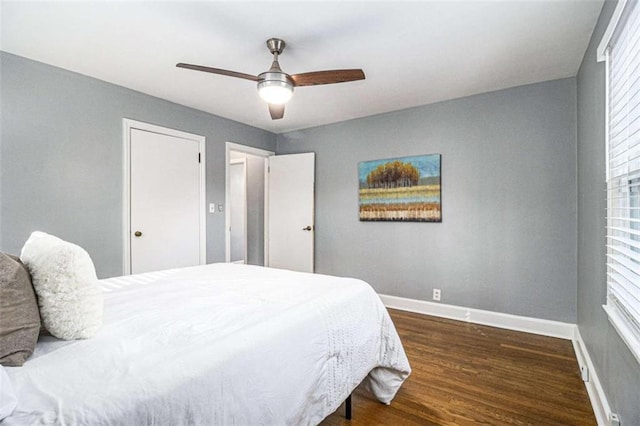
276,86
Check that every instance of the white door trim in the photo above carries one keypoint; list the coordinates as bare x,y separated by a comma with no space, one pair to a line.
127,125
232,146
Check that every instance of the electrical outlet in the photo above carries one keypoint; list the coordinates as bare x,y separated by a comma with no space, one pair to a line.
614,420
584,373
436,294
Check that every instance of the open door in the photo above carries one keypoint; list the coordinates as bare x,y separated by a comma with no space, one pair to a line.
291,207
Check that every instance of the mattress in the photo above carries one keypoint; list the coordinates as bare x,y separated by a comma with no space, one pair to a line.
217,344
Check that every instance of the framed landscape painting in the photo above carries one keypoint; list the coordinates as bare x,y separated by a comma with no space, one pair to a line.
404,189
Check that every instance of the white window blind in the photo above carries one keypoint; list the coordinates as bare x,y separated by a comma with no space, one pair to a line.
623,180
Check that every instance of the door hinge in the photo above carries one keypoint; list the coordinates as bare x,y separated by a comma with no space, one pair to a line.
199,160
268,169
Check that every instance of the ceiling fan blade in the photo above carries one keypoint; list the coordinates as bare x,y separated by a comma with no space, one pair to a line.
327,77
276,111
218,71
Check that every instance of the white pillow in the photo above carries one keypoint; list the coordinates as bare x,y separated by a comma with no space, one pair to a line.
64,278
8,400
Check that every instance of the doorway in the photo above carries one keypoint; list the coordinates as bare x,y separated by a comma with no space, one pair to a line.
280,197
253,234
164,198
238,208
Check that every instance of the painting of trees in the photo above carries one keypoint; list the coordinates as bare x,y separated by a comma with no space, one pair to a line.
394,174
403,189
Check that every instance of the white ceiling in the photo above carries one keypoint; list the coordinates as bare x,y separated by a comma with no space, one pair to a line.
413,53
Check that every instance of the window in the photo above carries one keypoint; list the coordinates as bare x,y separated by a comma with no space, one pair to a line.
621,49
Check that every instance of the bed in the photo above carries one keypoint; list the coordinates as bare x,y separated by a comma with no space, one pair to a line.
217,344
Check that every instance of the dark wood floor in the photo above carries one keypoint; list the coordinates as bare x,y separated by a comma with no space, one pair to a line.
466,374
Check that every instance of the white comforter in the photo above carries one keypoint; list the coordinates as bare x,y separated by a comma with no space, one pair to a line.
218,344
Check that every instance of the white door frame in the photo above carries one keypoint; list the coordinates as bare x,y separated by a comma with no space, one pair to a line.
242,161
127,126
232,146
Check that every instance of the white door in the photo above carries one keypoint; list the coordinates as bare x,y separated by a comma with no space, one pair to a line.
291,211
238,209
165,201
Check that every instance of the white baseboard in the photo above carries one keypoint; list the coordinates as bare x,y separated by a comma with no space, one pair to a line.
559,329
596,394
543,327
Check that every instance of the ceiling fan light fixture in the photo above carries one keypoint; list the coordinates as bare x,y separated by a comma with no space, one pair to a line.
275,88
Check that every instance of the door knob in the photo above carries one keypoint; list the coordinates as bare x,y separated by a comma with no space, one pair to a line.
308,228
138,234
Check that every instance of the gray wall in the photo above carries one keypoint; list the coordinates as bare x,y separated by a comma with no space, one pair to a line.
237,205
507,242
61,152
616,367
255,207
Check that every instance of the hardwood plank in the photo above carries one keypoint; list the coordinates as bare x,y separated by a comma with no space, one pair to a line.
467,374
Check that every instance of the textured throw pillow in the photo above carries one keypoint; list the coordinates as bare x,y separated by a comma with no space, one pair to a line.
71,302
19,318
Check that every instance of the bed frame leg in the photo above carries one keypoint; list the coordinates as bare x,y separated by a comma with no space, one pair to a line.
347,408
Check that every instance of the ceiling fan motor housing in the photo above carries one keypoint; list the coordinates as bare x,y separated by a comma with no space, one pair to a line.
274,85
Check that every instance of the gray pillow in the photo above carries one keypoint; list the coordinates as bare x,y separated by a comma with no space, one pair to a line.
19,315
